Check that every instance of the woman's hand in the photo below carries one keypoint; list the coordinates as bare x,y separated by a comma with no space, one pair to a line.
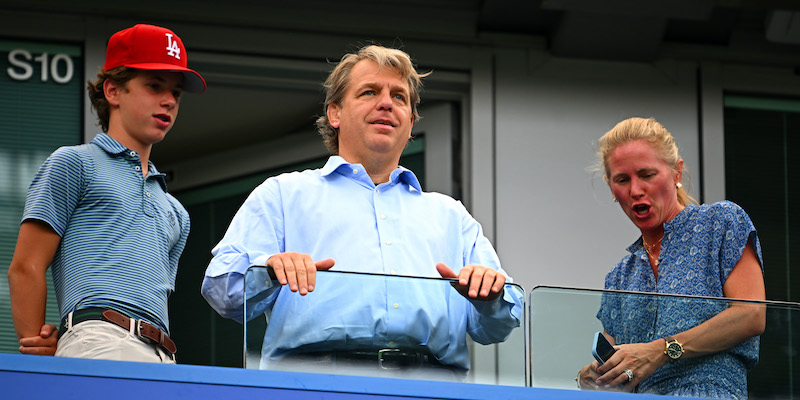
587,377
641,359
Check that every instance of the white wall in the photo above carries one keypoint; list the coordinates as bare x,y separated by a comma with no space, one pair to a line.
556,223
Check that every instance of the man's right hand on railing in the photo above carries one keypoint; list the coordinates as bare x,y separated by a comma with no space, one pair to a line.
297,270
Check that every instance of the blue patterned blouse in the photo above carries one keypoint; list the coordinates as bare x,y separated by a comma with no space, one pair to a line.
701,246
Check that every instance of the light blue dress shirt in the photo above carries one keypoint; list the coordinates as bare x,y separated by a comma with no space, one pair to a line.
392,228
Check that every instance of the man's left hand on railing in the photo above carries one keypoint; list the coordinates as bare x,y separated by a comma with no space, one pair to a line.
475,282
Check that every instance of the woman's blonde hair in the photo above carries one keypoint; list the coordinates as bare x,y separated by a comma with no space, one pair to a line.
651,131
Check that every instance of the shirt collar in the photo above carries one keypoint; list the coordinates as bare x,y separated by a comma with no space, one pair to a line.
113,147
109,144
403,174
679,219
400,174
669,226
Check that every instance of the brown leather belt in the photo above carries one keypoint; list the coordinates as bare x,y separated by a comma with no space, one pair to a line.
143,330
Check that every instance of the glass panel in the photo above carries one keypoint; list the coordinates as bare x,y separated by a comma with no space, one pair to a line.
382,325
563,322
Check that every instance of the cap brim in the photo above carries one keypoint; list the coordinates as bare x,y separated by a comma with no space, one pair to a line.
192,81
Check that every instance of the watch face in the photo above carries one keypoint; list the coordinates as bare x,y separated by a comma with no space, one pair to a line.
674,350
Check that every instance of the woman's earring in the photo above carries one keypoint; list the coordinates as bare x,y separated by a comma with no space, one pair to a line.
614,199
678,185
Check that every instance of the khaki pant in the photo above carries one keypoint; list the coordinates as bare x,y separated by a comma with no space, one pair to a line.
106,341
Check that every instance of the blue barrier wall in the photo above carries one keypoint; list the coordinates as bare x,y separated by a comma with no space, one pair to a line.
33,377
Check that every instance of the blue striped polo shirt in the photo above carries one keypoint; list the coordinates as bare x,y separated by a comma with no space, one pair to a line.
121,233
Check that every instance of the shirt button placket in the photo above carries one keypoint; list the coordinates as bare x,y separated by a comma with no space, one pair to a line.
384,230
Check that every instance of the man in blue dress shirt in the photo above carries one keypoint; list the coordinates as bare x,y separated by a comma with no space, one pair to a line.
365,213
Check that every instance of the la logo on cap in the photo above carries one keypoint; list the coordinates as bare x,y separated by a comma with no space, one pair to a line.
172,47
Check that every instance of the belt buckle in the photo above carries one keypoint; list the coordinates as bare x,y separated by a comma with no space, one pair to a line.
139,331
380,357
147,339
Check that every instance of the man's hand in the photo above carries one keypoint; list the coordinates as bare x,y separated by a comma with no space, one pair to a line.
297,270
475,282
43,345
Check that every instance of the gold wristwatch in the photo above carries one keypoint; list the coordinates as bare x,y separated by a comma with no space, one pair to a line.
674,349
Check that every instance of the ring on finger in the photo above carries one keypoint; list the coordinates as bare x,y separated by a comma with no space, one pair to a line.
629,373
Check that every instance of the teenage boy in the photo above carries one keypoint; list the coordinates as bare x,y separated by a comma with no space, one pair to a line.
100,217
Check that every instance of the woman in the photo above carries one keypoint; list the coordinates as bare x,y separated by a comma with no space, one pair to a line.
674,345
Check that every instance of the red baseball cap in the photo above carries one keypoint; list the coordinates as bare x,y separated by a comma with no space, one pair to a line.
152,48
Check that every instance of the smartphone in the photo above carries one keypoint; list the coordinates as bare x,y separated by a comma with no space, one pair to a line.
602,349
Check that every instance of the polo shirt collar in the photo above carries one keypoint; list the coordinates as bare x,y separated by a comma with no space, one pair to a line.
115,148
109,144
